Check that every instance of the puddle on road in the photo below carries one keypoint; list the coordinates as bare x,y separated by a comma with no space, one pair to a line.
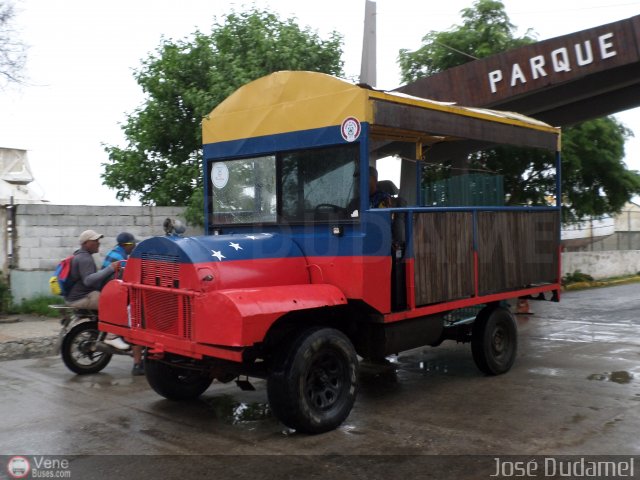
45,362
227,408
420,364
101,380
621,377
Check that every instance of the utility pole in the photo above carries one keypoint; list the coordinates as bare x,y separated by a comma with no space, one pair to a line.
368,62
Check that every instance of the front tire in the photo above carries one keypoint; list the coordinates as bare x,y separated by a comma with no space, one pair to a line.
78,352
313,383
494,341
175,382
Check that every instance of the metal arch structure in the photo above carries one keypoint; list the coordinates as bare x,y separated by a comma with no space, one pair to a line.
561,81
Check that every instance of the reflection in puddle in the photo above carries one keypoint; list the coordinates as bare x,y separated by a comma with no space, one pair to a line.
551,372
352,429
225,407
617,377
417,364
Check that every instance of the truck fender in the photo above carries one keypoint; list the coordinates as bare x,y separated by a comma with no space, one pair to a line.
242,317
113,303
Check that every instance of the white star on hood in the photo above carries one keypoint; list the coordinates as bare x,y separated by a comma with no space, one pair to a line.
217,254
235,245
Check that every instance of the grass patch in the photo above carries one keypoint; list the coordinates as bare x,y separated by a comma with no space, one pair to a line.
576,277
605,282
38,306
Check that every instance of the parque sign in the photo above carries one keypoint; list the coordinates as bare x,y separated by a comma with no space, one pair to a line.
560,60
561,80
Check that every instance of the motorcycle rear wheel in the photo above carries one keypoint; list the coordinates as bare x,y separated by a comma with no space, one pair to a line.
77,350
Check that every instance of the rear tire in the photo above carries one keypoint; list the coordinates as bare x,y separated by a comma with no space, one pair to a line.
77,353
313,383
494,341
175,382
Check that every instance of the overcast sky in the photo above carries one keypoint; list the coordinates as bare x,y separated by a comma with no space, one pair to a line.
81,57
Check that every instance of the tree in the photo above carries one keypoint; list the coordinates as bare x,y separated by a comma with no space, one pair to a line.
12,50
595,180
183,81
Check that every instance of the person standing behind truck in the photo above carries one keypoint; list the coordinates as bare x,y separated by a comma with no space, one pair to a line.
126,242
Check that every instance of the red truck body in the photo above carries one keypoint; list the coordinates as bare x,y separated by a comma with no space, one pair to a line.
295,260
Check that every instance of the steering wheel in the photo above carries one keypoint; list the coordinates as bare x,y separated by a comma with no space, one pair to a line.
329,206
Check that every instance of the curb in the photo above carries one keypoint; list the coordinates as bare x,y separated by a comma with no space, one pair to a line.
35,347
28,336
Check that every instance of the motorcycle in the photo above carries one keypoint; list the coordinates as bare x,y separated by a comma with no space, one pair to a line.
81,343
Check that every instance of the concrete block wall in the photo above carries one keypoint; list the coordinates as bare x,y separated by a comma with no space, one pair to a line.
44,234
602,264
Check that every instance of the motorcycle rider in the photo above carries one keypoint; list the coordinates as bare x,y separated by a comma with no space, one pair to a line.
87,280
126,242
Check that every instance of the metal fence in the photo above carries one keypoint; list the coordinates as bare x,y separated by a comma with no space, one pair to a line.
465,191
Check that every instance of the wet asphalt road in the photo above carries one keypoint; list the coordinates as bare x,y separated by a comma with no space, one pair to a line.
574,389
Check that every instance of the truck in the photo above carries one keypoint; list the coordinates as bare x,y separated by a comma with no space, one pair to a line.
298,278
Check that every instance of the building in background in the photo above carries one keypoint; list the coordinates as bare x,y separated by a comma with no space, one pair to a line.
16,178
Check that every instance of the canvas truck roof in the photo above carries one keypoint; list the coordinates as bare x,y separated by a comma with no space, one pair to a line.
295,101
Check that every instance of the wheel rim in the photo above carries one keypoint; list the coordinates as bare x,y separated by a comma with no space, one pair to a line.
500,342
325,381
81,349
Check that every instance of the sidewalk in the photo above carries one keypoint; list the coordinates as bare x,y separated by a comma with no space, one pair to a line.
27,336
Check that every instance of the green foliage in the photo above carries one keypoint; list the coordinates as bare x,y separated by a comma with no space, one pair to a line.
5,296
595,180
486,30
38,306
183,81
576,277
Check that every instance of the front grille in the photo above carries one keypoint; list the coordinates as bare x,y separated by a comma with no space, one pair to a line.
160,270
161,312
168,313
186,316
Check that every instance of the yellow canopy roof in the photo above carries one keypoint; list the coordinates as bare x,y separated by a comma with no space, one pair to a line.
291,101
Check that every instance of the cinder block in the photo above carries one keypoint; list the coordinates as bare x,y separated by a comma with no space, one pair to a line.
131,211
28,263
52,253
58,209
47,264
32,208
46,242
79,210
24,221
65,220
24,241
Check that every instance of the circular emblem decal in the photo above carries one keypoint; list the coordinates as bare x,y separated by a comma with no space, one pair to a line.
18,467
219,175
350,129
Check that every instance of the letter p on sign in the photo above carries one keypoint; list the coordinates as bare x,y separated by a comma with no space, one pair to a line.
494,77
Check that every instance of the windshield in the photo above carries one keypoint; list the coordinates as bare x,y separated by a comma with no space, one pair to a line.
309,185
243,191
